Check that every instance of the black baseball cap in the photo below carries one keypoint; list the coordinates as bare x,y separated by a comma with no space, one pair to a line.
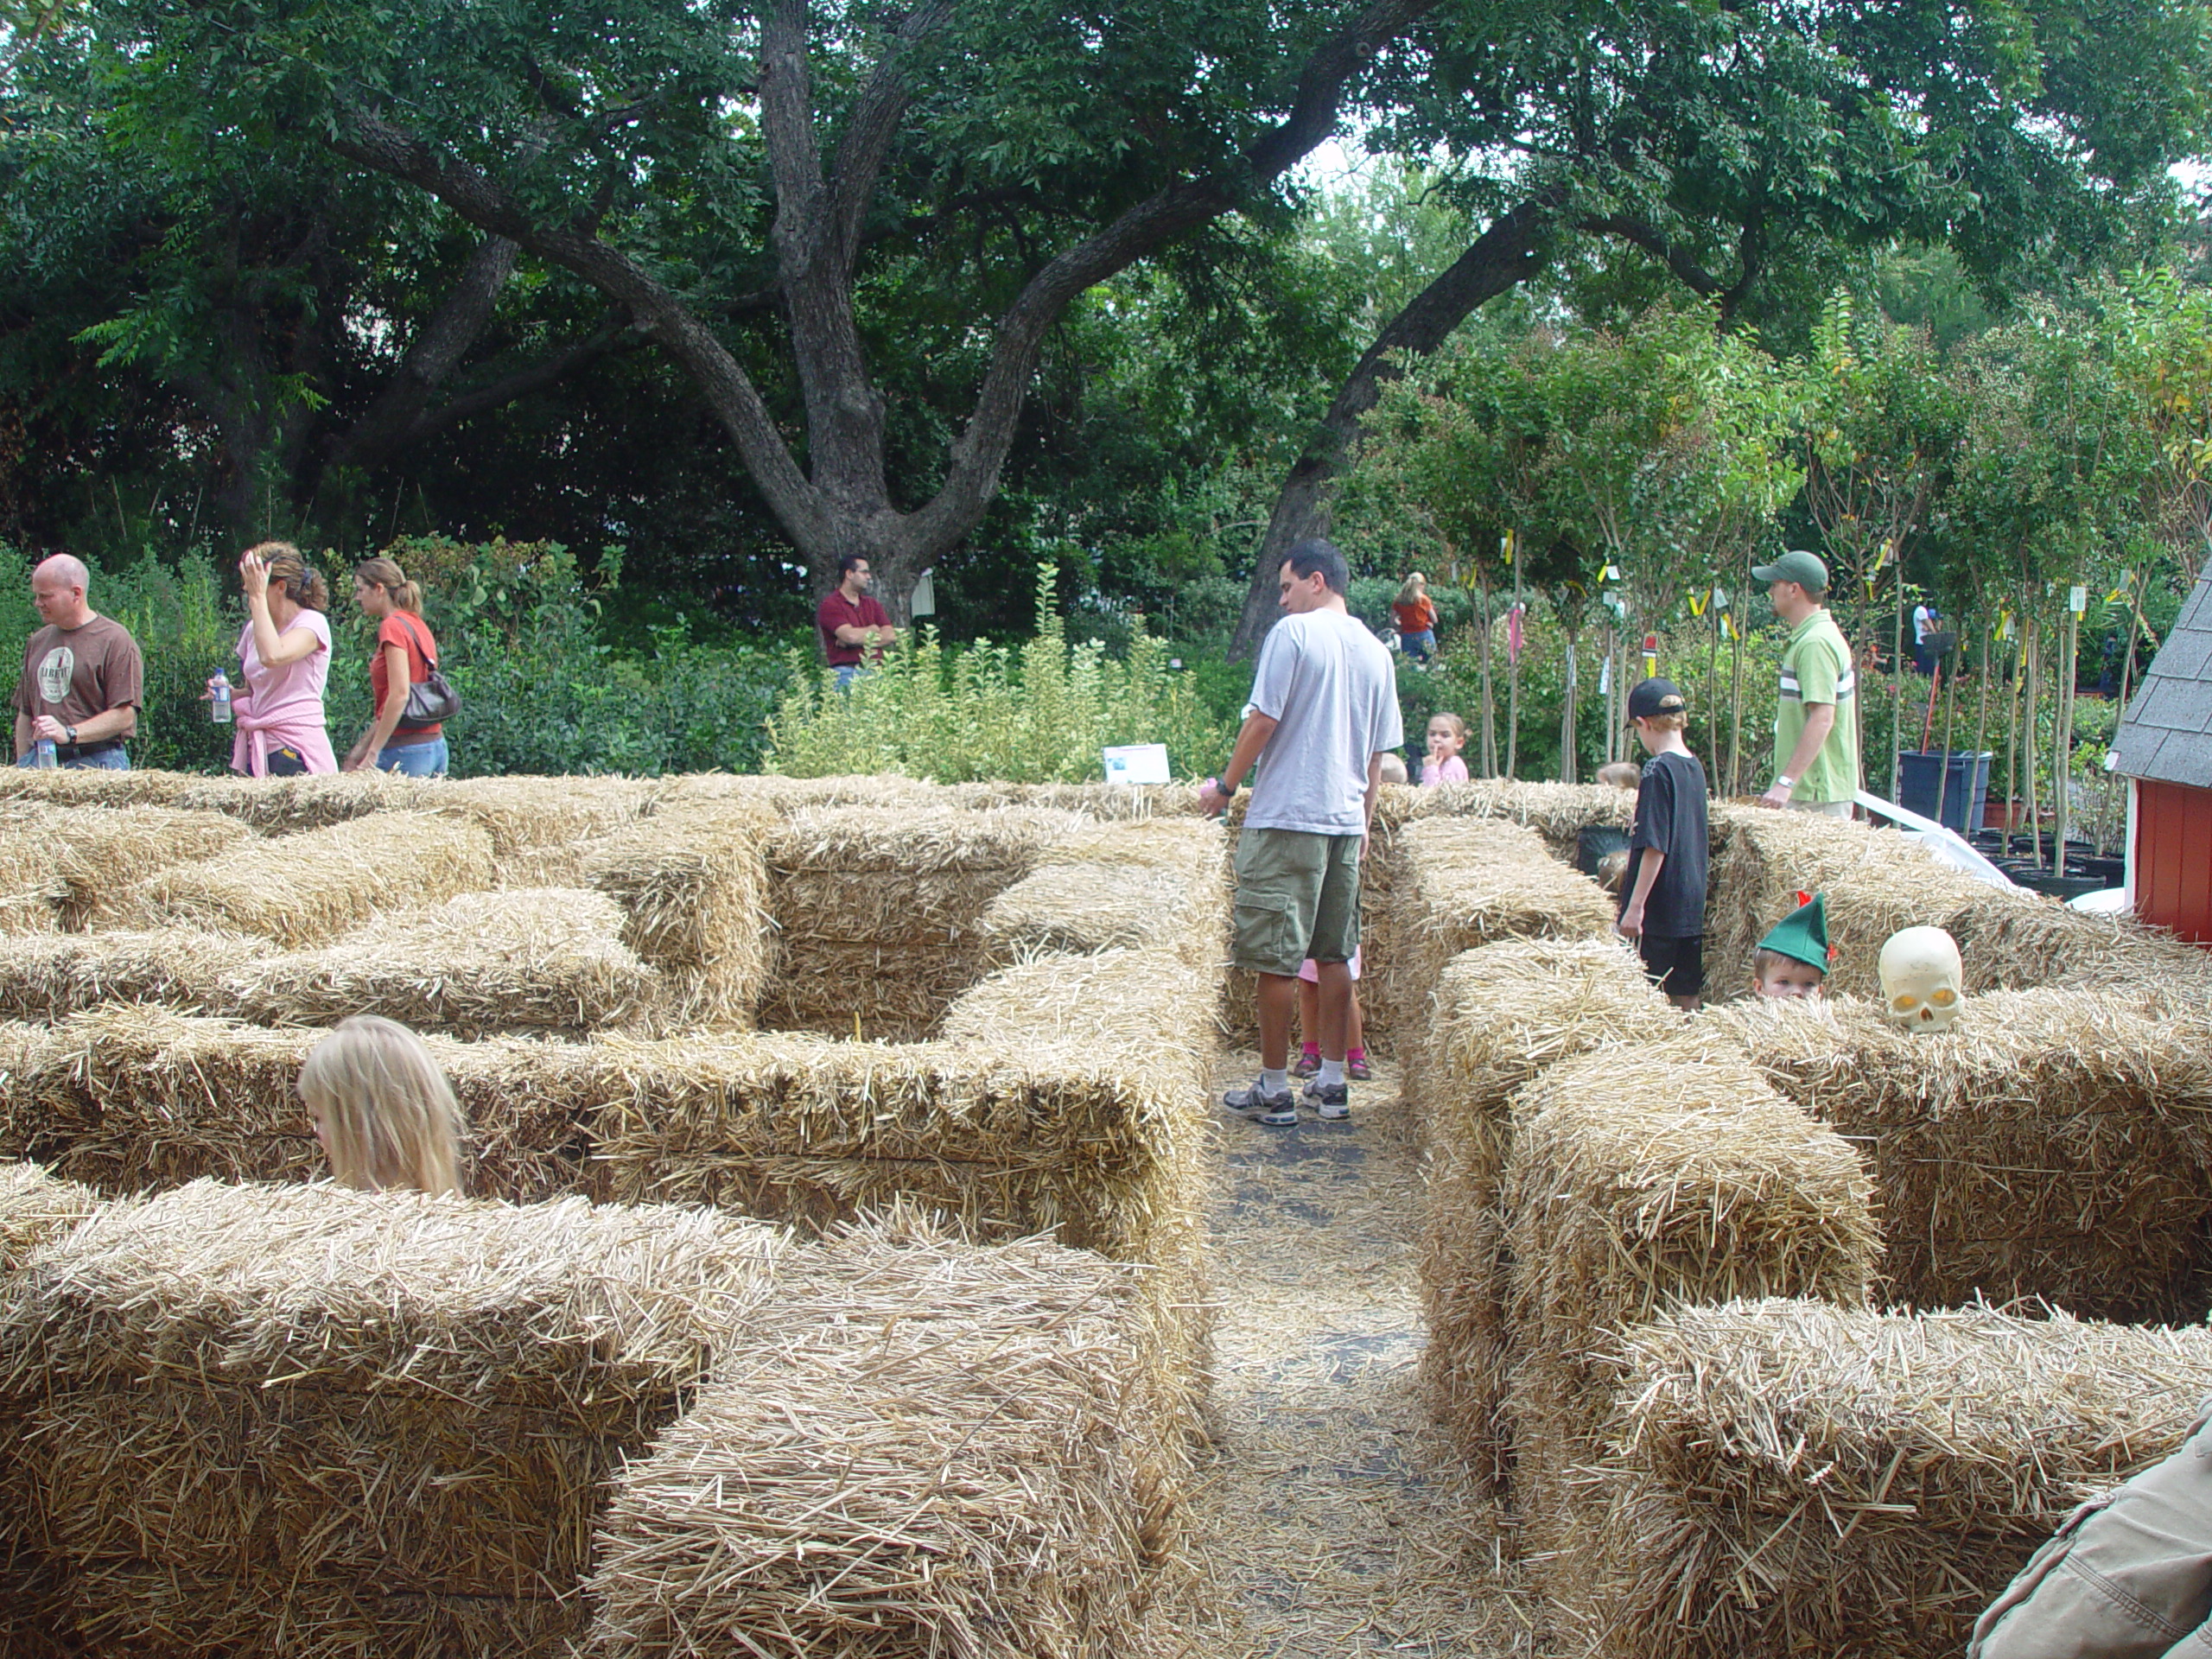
1655,696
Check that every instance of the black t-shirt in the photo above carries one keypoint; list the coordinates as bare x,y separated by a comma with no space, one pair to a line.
1670,820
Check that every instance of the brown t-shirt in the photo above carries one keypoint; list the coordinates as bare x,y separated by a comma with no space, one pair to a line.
86,671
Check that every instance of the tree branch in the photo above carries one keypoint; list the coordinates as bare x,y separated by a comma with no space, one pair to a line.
869,134
1637,234
982,447
367,138
431,356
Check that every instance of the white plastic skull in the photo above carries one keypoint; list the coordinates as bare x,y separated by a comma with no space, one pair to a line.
1923,981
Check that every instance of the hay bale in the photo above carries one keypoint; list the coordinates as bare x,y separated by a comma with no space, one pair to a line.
75,860
524,813
94,786
1162,882
35,1616
1069,1096
282,806
25,1126
1876,882
1463,883
1558,812
1070,1120
2018,940
2053,1143
302,1418
878,911
693,887
1788,1477
1683,1180
36,1206
50,977
126,1099
1502,1013
946,1453
545,960
319,882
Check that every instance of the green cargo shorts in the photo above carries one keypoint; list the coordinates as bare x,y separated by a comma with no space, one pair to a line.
1297,896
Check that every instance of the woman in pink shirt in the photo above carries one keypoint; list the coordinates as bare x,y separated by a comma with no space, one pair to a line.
285,655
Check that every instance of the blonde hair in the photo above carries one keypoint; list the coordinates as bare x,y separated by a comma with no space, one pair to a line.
1394,768
1665,722
1413,586
1621,775
387,1114
288,567
385,573
1458,726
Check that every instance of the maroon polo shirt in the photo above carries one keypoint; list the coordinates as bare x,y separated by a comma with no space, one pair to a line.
836,612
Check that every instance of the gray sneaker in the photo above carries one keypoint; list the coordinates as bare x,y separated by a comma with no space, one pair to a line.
1330,1101
1279,1110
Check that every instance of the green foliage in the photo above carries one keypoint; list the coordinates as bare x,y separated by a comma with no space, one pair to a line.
1036,713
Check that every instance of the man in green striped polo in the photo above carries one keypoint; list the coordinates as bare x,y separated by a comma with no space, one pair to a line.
1815,727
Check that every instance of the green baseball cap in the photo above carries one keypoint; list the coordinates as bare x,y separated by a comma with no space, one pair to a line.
1801,568
1803,934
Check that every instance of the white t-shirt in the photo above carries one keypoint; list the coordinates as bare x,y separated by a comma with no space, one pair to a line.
1329,685
1923,619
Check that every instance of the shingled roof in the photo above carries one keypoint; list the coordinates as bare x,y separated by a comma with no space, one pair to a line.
2166,734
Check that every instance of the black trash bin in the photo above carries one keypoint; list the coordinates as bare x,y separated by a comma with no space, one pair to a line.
1961,778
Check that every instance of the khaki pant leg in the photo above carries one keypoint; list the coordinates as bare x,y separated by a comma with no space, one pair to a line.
2128,1579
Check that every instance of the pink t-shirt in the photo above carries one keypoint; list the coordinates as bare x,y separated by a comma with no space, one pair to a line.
1453,771
282,706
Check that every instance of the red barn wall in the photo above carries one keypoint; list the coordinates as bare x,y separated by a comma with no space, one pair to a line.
2173,858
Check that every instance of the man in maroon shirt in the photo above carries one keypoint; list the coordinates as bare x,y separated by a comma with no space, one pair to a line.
851,623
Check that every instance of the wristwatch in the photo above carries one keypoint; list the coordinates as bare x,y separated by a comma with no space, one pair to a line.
1783,782
69,733
1224,786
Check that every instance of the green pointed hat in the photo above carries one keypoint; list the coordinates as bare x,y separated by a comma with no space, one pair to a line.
1803,934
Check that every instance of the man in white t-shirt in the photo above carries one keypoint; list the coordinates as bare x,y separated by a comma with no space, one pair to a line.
1926,619
1324,712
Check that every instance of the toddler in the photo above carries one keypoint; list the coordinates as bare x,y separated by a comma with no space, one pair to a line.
1447,735
1309,1023
1621,775
1793,959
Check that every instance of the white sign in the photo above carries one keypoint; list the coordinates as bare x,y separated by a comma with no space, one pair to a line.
1136,763
924,603
2078,600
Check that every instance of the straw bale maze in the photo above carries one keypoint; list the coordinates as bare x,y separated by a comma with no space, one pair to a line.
836,1280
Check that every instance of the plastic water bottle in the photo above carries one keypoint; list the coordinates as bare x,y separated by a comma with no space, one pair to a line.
219,698
44,758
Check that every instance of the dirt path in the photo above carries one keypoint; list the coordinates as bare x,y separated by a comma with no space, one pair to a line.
1334,1518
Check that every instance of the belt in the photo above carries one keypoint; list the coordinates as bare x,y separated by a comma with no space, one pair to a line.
78,751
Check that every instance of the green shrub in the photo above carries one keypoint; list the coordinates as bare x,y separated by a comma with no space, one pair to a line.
1038,713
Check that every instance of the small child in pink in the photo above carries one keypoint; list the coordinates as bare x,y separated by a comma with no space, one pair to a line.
1309,1022
1447,735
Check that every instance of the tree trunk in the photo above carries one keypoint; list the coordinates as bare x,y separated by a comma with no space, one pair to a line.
2031,746
1507,253
1736,711
1567,763
1490,703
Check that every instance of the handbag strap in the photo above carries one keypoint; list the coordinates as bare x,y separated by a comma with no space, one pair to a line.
425,647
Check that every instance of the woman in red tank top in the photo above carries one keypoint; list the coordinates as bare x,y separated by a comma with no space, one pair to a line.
406,653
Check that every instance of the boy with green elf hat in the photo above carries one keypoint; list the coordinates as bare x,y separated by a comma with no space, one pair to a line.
1793,959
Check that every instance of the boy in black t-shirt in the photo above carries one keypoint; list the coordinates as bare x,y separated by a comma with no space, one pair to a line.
1662,894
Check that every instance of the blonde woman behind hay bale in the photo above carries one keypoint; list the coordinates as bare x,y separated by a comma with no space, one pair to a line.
383,1110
